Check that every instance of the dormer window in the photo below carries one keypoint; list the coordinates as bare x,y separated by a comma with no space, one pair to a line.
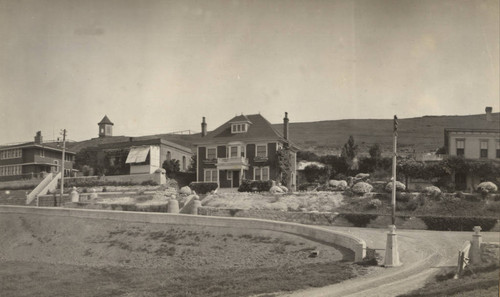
239,128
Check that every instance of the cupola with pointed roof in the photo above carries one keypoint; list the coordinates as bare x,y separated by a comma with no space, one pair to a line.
105,127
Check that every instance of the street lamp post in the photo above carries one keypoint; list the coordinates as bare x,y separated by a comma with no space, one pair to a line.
391,247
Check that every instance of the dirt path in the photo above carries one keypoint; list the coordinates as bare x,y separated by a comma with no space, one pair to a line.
423,253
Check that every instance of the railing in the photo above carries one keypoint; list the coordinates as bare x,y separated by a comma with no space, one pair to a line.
232,161
48,183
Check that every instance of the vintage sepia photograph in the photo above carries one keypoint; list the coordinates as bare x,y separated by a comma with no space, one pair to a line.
260,148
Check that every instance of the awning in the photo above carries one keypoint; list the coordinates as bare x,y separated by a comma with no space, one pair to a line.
137,154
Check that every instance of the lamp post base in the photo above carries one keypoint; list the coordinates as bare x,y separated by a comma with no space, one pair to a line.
391,249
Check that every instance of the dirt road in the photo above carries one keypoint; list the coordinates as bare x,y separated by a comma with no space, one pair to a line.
423,253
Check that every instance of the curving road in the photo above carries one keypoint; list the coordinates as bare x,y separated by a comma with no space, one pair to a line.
422,253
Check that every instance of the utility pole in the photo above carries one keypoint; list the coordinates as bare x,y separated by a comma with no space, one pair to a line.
62,165
391,247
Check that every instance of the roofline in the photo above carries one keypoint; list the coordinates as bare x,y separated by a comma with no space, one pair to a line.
153,141
35,145
471,130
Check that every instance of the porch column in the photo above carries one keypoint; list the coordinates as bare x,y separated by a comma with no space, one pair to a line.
218,177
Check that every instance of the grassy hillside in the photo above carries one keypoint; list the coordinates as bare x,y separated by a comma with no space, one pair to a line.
421,134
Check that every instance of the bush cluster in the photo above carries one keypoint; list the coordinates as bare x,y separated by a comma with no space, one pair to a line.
255,185
458,223
202,187
359,219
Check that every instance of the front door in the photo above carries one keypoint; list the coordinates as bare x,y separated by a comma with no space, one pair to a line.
236,179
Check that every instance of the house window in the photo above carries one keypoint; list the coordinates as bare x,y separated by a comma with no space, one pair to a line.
169,155
211,175
460,147
10,170
484,148
239,128
261,150
233,150
211,153
261,173
229,175
42,153
498,149
11,154
184,163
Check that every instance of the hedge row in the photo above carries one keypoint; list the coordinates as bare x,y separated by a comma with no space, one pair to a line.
458,223
255,185
202,187
94,182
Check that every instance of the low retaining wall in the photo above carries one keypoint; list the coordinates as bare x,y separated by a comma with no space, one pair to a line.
358,246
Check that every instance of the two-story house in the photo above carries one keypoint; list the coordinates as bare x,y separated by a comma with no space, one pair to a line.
245,147
481,143
33,159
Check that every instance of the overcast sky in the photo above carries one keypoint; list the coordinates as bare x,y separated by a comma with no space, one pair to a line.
158,66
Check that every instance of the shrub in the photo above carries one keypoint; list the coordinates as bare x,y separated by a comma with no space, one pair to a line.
362,188
308,186
494,206
359,219
202,187
149,183
255,186
374,203
403,197
458,223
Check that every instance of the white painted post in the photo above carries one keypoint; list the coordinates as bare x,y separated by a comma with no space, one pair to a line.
391,249
475,248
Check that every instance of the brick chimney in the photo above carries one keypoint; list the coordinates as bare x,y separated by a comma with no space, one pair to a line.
488,110
203,128
38,137
285,126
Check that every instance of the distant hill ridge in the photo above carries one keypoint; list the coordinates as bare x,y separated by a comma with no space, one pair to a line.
421,134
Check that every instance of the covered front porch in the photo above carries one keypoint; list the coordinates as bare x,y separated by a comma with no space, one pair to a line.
231,171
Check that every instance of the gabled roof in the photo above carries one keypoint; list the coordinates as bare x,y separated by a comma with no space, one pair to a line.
105,120
240,119
259,129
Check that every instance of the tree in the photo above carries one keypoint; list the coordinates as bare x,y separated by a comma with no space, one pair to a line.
375,152
284,164
307,156
193,164
171,167
314,173
349,152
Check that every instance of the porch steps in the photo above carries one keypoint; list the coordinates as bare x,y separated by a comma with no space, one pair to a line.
49,183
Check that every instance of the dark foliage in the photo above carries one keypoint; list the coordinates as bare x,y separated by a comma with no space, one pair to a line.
458,223
359,219
255,185
203,188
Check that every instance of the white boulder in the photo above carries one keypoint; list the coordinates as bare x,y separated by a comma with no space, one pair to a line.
185,190
275,190
399,187
487,187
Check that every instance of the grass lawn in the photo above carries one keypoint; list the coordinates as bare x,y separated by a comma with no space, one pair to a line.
42,279
482,283
59,256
